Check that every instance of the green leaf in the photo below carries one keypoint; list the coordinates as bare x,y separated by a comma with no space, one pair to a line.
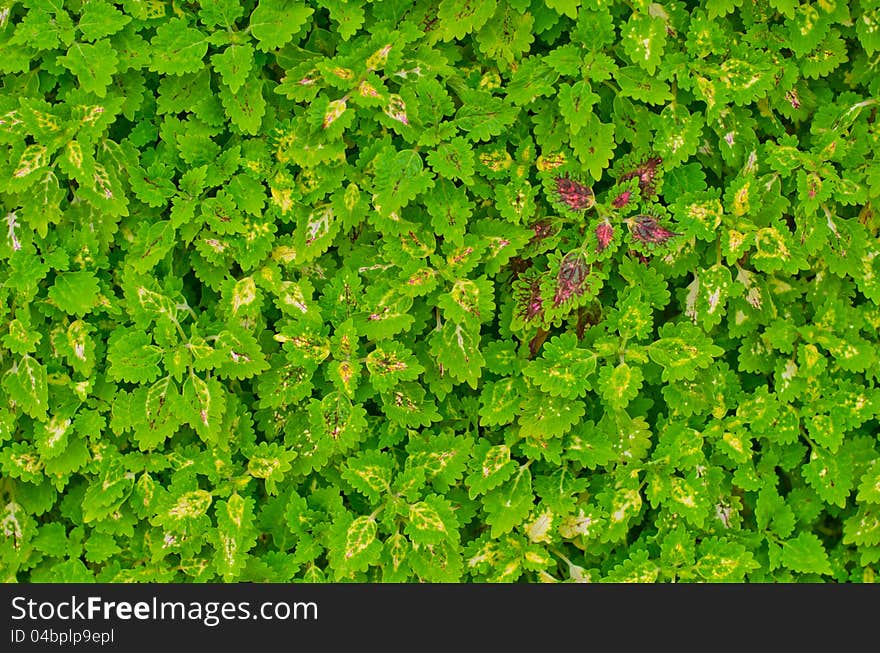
75,292
453,291
400,178
348,16
806,29
678,134
274,22
595,147
500,401
450,209
507,35
177,48
100,19
805,554
246,107
468,302
869,486
93,65
576,104
220,12
707,295
720,560
132,356
109,488
453,160
638,568
157,413
771,510
868,29
443,457
238,355
461,17
389,363
370,474
235,65
483,116
406,405
100,547
52,436
51,540
545,417
863,528
270,462
566,7
636,84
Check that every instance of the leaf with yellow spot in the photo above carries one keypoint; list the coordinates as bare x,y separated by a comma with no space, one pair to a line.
270,461
205,401
51,436
544,416
637,568
681,350
370,474
500,400
443,457
109,487
720,560
830,476
619,384
431,521
491,466
26,383
395,566
468,302
406,404
315,232
508,505
238,355
564,369
457,349
699,214
157,413
235,535
390,363
354,545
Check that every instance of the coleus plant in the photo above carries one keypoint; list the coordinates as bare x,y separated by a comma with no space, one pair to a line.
459,291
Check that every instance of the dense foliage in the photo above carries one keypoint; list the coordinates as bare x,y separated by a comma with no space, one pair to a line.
469,290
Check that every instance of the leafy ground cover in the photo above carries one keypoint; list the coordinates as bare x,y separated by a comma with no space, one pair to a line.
442,291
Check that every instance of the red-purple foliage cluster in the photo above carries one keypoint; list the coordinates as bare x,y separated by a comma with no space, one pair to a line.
604,234
573,194
646,173
542,229
621,200
646,229
572,277
530,302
